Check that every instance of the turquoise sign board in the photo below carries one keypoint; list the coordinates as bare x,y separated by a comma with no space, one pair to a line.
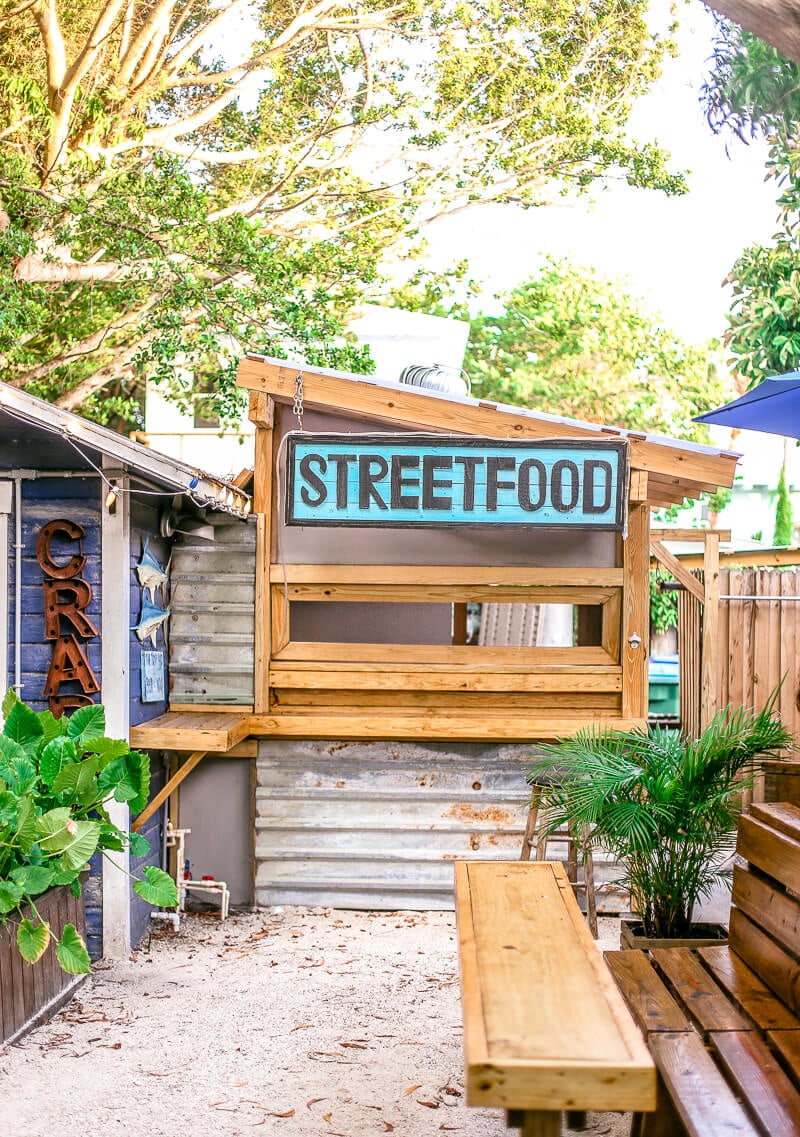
430,480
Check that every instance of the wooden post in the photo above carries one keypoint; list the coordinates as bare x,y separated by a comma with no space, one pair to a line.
635,612
115,538
710,658
262,413
167,790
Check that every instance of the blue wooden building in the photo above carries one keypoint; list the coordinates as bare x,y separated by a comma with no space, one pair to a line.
87,523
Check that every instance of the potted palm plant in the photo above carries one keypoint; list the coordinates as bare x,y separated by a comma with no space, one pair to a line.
664,806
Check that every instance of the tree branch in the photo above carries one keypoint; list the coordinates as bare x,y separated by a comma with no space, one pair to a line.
130,59
92,384
775,21
109,15
86,347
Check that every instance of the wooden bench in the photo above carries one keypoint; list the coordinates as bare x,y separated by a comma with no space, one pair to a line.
545,1029
722,1022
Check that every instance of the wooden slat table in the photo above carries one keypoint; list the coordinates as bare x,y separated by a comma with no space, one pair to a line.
545,1029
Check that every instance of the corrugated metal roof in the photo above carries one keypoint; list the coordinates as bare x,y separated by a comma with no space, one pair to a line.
82,438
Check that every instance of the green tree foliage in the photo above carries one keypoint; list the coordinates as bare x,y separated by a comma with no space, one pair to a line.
784,524
569,341
663,606
182,181
754,91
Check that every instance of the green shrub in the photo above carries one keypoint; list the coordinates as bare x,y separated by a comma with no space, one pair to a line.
55,776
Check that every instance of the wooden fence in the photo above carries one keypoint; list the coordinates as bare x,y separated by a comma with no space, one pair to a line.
758,642
31,993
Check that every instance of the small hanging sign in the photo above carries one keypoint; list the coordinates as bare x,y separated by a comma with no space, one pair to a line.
153,687
427,480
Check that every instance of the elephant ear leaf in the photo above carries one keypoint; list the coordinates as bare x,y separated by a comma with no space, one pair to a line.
84,838
32,940
57,754
128,778
9,699
142,765
51,726
72,953
27,828
11,894
86,724
8,807
157,888
79,780
23,726
139,845
34,879
16,768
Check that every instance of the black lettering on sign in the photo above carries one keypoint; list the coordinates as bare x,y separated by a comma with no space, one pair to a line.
430,464
604,468
401,481
313,480
524,486
341,461
564,497
469,462
493,466
371,468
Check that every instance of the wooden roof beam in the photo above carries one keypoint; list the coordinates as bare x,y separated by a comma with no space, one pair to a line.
687,464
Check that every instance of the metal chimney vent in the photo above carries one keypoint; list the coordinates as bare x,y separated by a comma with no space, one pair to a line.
435,377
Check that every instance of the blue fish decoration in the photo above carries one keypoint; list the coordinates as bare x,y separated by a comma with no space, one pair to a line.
150,573
152,618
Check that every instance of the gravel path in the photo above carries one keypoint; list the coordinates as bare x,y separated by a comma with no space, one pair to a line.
297,1022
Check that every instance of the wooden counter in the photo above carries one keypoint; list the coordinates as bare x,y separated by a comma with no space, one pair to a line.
545,1029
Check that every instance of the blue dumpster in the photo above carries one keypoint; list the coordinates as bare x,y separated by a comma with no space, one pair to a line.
663,698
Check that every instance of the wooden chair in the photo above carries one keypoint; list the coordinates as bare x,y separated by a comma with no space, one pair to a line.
537,839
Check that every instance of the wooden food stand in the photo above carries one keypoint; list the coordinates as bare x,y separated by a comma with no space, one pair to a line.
382,512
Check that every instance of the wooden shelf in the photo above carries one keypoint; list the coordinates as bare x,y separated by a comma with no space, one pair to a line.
210,731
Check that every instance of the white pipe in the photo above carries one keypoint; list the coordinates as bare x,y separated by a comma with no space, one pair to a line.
18,583
774,599
172,918
6,506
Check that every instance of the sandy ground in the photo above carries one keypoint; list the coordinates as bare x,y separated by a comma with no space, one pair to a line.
294,1021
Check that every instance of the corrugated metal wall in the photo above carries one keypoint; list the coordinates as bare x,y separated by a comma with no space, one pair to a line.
213,605
375,825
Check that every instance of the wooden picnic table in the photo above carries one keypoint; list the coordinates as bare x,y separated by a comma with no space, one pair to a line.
545,1028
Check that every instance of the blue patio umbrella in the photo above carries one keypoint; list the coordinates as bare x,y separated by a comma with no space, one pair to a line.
773,406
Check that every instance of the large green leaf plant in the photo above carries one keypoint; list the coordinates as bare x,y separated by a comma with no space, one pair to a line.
663,805
55,777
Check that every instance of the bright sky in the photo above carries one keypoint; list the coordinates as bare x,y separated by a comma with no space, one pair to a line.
674,252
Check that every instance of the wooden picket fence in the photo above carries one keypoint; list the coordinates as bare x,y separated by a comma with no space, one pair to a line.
758,644
29,994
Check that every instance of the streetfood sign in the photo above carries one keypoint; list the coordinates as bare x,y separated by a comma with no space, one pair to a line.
417,480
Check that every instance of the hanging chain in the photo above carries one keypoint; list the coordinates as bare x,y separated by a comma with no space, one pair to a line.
297,404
